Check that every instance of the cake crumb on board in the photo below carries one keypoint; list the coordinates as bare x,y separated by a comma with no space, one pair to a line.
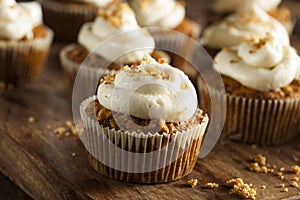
193,182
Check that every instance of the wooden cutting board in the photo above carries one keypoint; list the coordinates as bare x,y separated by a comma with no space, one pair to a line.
52,166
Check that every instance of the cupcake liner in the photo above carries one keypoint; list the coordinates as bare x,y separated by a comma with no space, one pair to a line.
67,18
23,61
256,121
139,157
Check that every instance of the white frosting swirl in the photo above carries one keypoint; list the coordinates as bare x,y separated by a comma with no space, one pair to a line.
150,91
244,24
16,21
260,63
226,6
160,13
35,11
113,22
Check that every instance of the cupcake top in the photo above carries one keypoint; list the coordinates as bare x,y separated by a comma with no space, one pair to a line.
261,63
111,22
17,21
158,13
238,26
226,6
151,90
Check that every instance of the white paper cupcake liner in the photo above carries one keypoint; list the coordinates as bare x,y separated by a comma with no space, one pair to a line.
23,61
256,121
140,157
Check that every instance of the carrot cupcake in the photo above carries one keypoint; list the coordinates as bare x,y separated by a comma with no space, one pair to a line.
24,42
165,14
233,29
66,17
120,19
144,125
262,90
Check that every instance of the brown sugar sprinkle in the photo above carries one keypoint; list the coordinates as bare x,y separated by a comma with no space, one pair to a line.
242,189
296,169
193,182
211,185
184,86
31,119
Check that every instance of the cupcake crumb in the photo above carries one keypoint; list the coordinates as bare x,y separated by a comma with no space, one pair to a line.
295,178
211,185
73,154
263,187
31,119
296,169
295,158
285,190
260,159
60,130
281,169
281,185
193,182
294,184
242,189
71,126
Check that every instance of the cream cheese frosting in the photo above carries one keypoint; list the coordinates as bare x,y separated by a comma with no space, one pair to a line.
151,90
158,13
35,11
112,22
16,21
261,63
247,22
226,6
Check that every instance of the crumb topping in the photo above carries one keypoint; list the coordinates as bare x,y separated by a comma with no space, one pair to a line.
211,185
242,189
193,182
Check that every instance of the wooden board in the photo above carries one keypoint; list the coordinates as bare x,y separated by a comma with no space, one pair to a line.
41,162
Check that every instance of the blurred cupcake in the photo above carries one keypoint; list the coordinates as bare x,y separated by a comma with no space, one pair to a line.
262,90
165,14
120,19
24,42
144,125
66,17
221,8
239,26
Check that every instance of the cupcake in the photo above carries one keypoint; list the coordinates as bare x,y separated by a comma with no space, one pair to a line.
168,14
236,27
24,42
221,8
120,19
144,125
66,17
262,89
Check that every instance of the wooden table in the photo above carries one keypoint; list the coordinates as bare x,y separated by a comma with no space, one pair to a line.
41,162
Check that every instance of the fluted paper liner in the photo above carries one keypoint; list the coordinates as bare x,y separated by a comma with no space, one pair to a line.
66,19
23,61
256,121
157,158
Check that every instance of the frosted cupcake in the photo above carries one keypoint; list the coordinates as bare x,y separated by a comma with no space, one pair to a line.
144,125
66,17
236,27
282,14
24,42
262,90
120,19
165,14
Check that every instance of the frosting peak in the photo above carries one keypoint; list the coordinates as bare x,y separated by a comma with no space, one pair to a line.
151,90
119,19
261,63
16,21
160,13
243,24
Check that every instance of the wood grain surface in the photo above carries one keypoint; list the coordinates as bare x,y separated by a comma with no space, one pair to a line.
42,164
